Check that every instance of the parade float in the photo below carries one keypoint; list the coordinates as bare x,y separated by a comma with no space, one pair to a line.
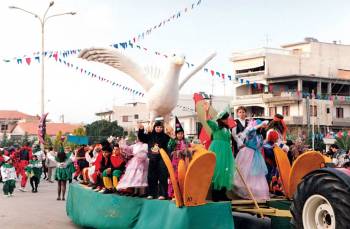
314,195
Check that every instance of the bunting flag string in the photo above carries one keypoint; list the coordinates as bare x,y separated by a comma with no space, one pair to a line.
130,43
270,88
37,57
173,17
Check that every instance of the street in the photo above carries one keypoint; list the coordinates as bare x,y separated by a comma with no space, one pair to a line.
34,210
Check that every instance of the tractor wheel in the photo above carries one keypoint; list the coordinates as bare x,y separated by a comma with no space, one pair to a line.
321,201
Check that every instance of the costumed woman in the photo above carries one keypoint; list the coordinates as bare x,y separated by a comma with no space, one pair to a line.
219,129
136,172
62,173
34,171
251,164
157,171
177,147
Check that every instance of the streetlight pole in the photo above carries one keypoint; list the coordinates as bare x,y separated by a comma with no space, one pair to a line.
42,20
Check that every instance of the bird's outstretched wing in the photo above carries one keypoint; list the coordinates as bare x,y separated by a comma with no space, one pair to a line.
119,61
194,71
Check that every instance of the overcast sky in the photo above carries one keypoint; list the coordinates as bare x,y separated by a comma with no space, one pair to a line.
221,26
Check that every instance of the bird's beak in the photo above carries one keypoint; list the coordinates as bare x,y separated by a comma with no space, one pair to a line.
179,61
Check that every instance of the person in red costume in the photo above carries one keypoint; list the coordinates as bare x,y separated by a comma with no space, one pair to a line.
25,154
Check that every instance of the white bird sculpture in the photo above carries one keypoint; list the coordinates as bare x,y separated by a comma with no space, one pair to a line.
162,95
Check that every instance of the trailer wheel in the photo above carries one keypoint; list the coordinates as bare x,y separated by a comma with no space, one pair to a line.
321,201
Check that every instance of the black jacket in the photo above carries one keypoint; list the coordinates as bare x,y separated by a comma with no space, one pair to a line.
153,138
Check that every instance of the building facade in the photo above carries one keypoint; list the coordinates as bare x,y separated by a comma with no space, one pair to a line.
308,82
130,114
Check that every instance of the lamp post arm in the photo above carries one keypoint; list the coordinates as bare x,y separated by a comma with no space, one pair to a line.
56,15
26,11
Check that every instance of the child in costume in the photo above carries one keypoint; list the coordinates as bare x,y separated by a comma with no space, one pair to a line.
251,164
112,173
8,174
178,150
62,173
272,175
157,171
136,172
34,170
279,125
242,123
25,155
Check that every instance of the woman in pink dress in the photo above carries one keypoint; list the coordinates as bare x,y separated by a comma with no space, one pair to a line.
251,164
135,175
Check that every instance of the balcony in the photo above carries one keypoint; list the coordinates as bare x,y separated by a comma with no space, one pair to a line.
343,122
248,99
294,120
285,97
265,51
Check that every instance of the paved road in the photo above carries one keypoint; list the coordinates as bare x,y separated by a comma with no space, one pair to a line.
34,210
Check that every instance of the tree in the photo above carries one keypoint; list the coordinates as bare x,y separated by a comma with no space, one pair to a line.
58,141
25,139
4,140
79,132
132,137
48,141
101,129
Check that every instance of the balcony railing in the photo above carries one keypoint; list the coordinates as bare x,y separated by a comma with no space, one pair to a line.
264,51
294,120
345,122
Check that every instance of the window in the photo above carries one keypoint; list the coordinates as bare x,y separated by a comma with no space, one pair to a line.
136,116
125,118
4,127
340,112
285,110
313,110
328,110
272,111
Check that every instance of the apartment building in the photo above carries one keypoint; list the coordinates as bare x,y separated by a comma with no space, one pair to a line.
287,78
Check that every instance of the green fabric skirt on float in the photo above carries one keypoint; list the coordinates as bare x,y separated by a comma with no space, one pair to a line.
225,166
96,210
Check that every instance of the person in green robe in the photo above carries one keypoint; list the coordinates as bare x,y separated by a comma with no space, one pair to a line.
219,130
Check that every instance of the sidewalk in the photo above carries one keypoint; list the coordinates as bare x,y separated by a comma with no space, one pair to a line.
34,210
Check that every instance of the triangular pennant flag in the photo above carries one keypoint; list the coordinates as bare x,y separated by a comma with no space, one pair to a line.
19,61
37,58
212,72
115,46
223,75
218,74
28,60
55,55
205,69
